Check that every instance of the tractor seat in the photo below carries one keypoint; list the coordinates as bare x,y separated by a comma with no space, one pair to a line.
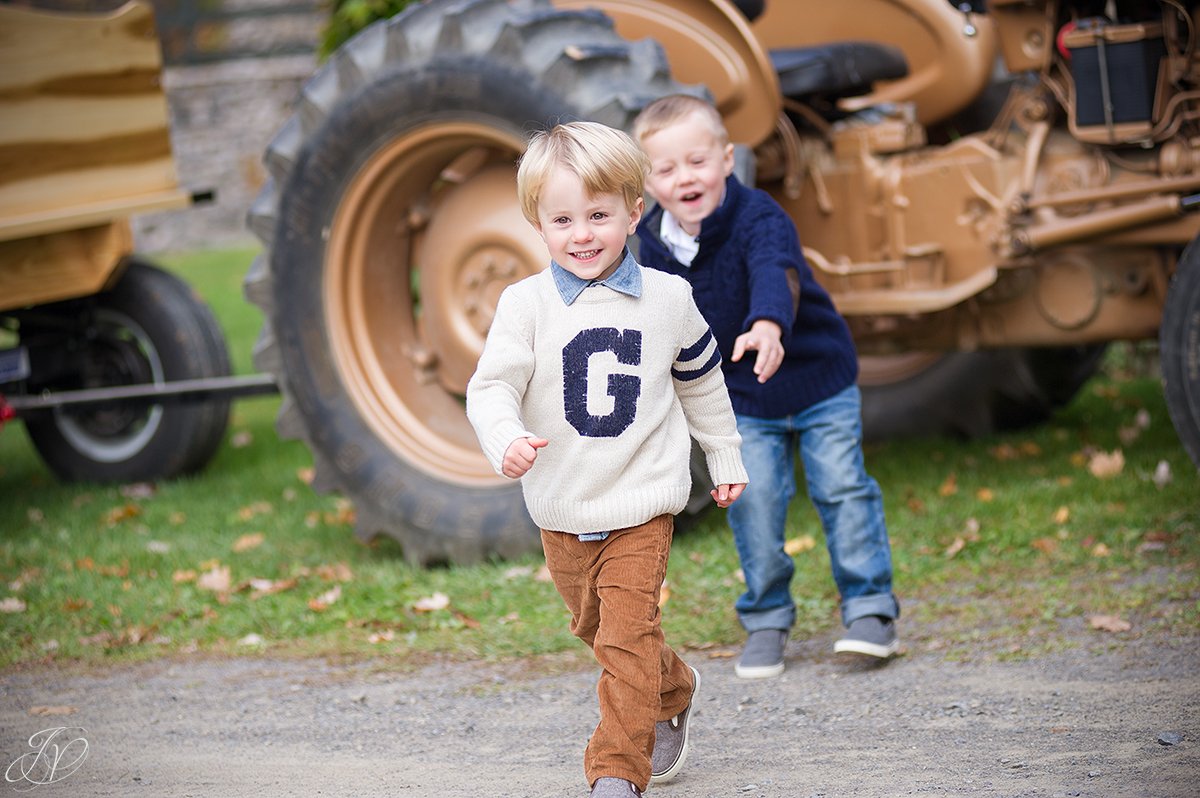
841,69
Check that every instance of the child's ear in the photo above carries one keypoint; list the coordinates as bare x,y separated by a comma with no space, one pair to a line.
635,214
728,157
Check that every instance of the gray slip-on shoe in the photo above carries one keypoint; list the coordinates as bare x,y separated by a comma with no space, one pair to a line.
671,740
762,657
608,787
872,635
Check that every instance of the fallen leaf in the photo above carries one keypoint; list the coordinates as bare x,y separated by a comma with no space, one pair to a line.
1062,515
949,486
249,541
794,546
1030,449
251,639
1064,481
385,636
267,587
438,601
176,518
954,548
158,547
12,604
139,490
46,711
985,495
179,577
1162,474
241,439
338,572
218,579
1003,452
1105,465
305,475
255,509
467,620
322,602
1109,623
118,514
1045,545
726,654
76,604
1100,550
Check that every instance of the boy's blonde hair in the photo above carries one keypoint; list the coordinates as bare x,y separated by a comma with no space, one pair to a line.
606,160
669,110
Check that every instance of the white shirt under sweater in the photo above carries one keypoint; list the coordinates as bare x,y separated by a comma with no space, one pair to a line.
618,385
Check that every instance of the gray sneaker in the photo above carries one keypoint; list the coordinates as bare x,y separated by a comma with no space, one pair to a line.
762,657
671,740
608,787
872,635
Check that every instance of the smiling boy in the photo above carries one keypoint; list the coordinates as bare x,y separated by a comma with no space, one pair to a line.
594,378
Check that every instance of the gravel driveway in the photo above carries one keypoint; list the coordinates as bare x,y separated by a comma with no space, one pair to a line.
1107,719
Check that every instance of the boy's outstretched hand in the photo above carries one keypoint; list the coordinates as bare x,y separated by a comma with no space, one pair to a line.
726,495
519,456
764,336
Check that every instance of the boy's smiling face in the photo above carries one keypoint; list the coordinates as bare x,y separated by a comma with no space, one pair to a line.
584,234
688,167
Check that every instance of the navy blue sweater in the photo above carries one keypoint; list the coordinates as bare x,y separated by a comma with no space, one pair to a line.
747,269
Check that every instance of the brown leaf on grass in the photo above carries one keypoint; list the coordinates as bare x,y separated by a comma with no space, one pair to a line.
253,510
338,572
794,546
1030,449
322,602
218,579
305,475
954,548
12,605
139,490
1109,623
1105,465
76,604
26,577
386,636
248,541
176,518
123,513
467,620
985,495
949,486
267,587
343,514
1003,452
1100,550
915,505
723,654
179,577
48,711
1064,481
1062,515
120,571
241,439
1045,545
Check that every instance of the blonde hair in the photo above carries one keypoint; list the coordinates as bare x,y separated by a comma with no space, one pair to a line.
606,160
674,108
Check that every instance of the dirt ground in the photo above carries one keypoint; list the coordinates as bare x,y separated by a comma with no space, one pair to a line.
1107,719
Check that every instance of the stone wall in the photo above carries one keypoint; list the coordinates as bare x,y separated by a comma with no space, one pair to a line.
223,116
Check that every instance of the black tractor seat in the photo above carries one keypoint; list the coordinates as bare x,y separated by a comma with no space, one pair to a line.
832,71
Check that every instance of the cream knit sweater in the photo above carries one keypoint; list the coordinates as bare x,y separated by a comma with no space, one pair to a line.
616,384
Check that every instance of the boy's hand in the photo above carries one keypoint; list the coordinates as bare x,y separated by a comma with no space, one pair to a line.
519,456
764,337
726,495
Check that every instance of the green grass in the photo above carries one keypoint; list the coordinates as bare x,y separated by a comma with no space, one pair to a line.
1027,544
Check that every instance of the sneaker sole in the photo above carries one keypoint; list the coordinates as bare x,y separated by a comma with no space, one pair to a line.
758,671
868,649
677,765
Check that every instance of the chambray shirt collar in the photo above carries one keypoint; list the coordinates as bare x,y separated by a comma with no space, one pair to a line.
627,279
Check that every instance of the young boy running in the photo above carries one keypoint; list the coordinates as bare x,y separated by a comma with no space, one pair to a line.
739,250
594,373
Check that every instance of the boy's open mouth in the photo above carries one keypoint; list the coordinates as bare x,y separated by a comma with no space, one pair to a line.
586,254
692,197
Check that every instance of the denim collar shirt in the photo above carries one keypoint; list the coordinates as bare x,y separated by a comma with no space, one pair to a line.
627,279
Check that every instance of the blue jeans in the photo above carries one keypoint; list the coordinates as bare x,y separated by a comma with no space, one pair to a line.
847,499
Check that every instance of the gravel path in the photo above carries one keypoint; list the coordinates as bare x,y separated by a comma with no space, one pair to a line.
1104,720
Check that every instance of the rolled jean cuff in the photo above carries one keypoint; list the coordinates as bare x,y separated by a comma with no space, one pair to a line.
881,604
782,618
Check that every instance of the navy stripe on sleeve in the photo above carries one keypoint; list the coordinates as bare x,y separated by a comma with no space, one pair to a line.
694,374
693,351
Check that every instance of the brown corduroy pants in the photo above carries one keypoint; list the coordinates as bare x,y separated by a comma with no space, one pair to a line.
612,588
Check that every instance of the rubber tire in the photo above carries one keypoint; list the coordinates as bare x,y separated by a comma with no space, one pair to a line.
182,334
1179,350
479,61
974,394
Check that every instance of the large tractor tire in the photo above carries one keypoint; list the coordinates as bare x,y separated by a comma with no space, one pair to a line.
970,394
1179,350
391,224
149,328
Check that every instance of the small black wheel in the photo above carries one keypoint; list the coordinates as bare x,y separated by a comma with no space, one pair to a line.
1179,350
150,327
